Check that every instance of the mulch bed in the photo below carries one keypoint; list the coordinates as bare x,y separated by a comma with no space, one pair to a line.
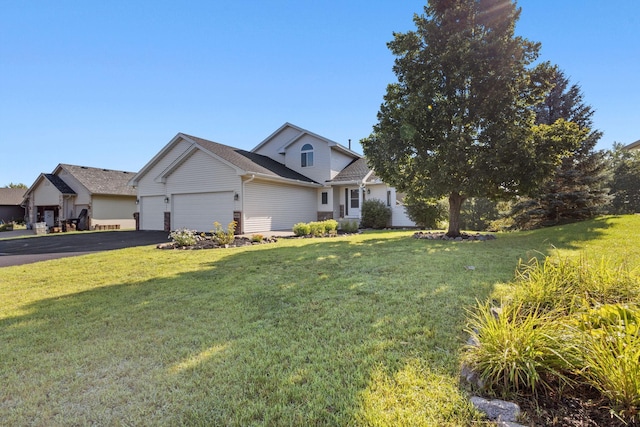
212,244
583,407
464,237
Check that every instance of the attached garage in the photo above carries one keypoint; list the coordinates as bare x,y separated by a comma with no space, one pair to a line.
271,206
198,211
152,212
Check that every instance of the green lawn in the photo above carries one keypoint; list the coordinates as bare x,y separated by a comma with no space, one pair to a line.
358,330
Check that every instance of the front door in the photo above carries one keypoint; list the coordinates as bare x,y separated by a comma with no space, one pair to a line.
49,218
352,202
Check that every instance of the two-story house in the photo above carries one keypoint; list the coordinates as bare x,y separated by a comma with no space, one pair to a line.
292,176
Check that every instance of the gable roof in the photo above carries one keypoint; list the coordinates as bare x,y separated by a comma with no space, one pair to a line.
250,162
11,196
101,181
356,171
244,162
633,145
59,184
303,132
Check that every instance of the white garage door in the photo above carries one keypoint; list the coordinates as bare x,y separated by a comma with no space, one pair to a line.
199,211
152,212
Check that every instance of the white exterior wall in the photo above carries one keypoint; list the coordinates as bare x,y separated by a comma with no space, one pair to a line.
273,147
201,173
399,217
148,186
273,206
83,196
46,194
378,191
321,169
339,161
330,200
113,210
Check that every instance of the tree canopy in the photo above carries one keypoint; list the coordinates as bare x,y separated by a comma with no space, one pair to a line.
20,185
460,120
577,189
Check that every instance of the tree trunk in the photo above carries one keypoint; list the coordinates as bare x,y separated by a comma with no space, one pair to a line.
455,204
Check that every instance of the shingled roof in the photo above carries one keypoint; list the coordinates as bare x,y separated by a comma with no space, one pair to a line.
249,161
59,184
102,181
355,171
11,196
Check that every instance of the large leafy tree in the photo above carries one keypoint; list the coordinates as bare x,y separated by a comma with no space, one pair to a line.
460,120
577,189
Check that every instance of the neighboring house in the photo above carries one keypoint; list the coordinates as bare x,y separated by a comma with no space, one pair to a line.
633,146
89,198
292,176
10,204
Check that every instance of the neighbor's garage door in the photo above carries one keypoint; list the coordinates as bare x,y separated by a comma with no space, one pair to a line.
199,211
152,213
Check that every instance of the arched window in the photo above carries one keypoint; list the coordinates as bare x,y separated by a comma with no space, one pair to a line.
306,157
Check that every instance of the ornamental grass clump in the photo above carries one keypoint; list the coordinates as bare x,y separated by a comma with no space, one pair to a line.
571,284
610,355
568,323
514,350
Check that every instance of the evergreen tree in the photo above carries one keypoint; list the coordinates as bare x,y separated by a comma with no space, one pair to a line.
460,120
577,189
625,182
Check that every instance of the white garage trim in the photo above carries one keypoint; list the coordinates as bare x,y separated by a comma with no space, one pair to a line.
198,211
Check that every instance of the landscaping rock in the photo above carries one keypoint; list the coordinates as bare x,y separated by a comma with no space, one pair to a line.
208,243
497,410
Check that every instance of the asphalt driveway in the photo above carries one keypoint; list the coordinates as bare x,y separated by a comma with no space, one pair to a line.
28,249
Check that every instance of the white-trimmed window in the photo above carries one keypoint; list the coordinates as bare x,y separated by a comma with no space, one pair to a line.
306,156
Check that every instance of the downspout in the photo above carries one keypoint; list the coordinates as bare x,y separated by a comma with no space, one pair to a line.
242,200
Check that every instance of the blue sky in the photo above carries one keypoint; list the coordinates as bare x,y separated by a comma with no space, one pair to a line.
108,84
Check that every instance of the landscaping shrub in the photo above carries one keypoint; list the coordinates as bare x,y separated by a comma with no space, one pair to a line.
257,238
316,228
349,225
330,226
301,229
184,237
222,236
375,214
426,213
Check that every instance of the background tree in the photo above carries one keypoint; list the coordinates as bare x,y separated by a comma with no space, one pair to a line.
425,212
20,185
459,122
577,190
625,180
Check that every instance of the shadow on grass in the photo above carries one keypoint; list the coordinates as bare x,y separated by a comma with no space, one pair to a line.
284,335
